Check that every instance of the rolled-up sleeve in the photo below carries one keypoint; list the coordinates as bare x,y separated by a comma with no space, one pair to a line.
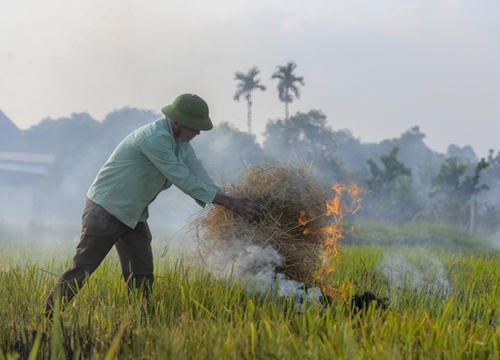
160,151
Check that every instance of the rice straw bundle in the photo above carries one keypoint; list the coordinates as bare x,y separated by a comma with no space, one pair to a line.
286,193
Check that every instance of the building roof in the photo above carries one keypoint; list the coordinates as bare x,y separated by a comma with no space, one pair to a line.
25,163
27,157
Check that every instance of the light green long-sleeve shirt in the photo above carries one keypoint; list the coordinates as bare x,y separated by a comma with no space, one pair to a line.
146,162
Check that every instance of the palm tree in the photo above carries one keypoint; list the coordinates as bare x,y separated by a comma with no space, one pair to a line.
247,84
287,81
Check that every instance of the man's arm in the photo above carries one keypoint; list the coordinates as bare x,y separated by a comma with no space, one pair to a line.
160,151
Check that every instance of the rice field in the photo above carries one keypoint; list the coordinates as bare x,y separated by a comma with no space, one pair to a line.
441,302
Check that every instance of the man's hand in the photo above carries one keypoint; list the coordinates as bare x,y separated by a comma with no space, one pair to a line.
240,205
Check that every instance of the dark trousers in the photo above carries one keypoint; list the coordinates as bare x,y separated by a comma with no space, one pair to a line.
100,231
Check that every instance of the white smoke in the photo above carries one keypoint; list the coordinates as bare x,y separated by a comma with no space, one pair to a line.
256,269
421,274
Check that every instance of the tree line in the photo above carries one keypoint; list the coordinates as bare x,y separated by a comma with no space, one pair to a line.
403,180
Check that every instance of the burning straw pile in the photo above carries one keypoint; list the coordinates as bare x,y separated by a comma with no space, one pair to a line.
293,201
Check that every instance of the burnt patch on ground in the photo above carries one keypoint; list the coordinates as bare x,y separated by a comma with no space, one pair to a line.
360,302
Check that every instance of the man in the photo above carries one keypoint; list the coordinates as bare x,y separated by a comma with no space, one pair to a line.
148,161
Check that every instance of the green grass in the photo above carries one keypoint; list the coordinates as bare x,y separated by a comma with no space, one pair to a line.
196,316
415,234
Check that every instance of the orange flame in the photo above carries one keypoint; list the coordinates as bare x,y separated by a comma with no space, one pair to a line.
334,231
302,218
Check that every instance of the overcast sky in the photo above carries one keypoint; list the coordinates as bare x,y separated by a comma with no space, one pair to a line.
377,68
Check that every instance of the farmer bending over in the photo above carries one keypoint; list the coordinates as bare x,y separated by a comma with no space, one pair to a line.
146,162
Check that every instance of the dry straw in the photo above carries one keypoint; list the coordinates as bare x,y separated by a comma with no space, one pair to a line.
284,192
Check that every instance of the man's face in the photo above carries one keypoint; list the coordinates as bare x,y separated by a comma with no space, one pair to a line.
185,133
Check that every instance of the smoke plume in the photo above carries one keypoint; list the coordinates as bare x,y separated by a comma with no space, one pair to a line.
257,269
421,274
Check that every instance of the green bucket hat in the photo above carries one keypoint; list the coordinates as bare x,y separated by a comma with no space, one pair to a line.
189,110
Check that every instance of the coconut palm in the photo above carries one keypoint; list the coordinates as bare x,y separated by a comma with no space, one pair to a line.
247,84
287,84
